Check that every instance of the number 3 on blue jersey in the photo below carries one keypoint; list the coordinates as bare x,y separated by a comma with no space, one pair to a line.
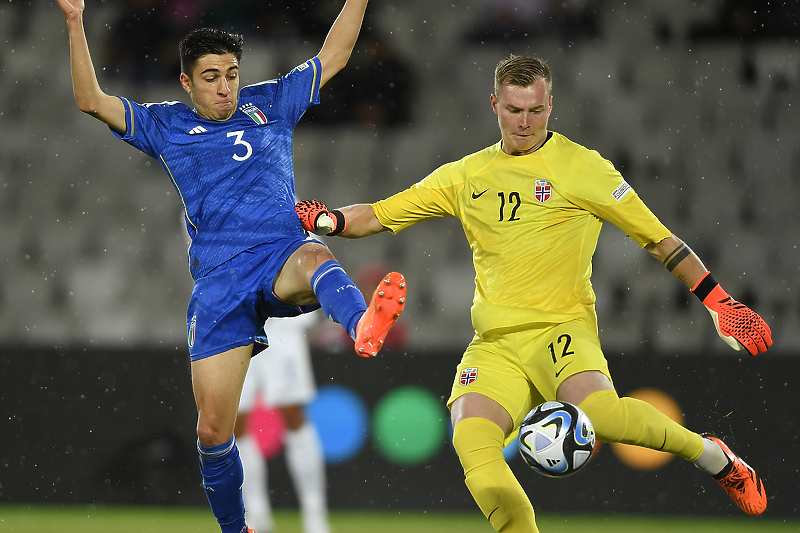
239,140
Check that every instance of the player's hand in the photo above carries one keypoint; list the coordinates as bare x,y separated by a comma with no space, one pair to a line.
738,325
72,8
315,217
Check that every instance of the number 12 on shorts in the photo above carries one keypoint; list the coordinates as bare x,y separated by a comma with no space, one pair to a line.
560,349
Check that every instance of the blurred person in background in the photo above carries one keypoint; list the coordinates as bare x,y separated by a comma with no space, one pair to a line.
532,206
230,159
284,378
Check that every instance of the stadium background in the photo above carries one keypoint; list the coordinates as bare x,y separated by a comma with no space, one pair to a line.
93,284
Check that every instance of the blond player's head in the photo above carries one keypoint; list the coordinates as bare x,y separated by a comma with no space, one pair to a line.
522,71
522,101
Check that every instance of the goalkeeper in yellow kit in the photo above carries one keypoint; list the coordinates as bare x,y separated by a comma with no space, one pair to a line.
532,207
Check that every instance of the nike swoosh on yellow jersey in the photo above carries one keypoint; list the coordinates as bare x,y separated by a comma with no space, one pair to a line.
476,196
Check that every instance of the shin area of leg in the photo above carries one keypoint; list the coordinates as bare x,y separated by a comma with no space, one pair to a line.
479,444
633,421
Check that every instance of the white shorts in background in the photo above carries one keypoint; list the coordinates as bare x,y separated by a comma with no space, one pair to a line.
282,373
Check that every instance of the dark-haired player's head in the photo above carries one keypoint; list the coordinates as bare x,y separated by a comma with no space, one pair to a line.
203,41
210,71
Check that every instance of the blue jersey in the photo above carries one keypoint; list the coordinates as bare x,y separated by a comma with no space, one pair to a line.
235,177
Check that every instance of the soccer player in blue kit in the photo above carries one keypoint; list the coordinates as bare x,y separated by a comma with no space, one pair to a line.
230,159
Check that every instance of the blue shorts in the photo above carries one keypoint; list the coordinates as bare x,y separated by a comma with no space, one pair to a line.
230,304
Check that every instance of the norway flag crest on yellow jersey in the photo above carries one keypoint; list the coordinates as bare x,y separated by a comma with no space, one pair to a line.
542,191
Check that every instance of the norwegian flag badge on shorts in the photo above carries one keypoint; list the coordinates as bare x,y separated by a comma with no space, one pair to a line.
468,376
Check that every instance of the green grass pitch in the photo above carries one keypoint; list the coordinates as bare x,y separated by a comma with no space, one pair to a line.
91,519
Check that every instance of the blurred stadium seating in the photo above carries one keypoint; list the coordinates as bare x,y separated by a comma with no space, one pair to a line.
707,133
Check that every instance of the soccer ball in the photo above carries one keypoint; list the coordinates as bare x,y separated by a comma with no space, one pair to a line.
556,439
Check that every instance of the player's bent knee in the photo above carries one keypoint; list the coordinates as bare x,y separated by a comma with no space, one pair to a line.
605,410
209,435
312,256
477,441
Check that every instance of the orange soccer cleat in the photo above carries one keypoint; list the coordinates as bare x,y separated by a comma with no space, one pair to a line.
742,483
383,311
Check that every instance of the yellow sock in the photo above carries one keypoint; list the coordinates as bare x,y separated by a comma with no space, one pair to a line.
633,421
479,444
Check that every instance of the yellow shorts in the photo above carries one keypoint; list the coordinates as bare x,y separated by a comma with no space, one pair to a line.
521,369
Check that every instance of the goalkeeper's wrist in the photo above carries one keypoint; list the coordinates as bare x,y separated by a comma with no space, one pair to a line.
340,221
703,288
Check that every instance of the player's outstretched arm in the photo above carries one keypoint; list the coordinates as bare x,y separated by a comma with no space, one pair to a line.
353,222
90,98
361,221
341,39
738,325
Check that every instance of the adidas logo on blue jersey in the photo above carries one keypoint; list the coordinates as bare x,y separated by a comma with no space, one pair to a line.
197,129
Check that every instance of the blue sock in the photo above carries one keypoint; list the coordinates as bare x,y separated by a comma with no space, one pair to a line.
338,295
222,478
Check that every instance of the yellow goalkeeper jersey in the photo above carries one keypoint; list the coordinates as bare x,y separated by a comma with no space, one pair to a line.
532,223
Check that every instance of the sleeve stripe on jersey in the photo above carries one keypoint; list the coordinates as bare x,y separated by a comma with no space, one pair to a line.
130,112
314,81
175,183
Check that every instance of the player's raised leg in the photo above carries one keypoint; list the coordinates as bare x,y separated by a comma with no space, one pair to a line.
633,421
312,274
627,420
217,383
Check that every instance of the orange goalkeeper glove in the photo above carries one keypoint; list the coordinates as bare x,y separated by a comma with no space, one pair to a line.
316,218
738,325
